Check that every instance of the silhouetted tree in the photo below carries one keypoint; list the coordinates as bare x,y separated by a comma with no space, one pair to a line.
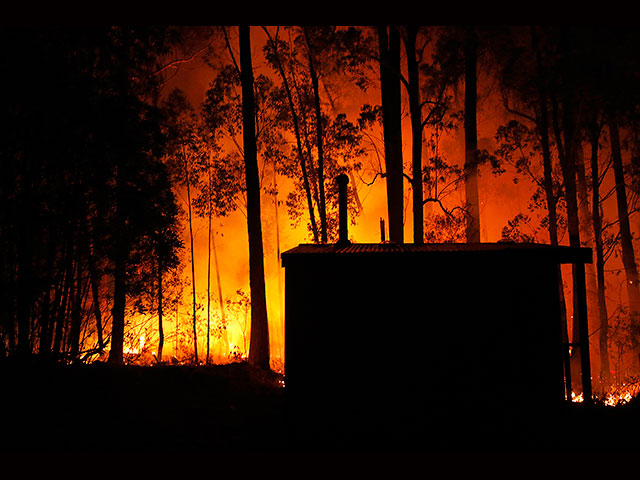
391,103
219,185
311,59
605,369
471,136
259,346
97,141
187,155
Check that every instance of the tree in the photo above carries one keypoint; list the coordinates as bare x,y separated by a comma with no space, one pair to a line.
313,73
311,59
219,185
628,254
186,156
390,86
98,139
605,369
415,108
273,55
259,344
471,136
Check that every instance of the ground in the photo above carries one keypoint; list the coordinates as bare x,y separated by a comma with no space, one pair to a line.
237,408
132,408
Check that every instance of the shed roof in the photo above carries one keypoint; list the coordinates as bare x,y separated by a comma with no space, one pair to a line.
557,254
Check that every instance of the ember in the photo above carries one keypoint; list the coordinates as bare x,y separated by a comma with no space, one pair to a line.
621,395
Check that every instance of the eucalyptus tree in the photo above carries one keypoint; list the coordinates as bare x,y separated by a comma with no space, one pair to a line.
259,342
391,105
431,71
218,186
310,64
186,156
86,184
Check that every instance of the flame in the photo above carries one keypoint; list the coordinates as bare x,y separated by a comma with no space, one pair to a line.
131,350
622,394
617,396
503,200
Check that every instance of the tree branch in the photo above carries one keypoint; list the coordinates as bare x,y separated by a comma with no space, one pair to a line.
180,61
449,213
233,58
368,184
505,102
610,249
408,178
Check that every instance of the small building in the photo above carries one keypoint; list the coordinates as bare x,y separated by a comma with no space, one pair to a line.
401,338
383,334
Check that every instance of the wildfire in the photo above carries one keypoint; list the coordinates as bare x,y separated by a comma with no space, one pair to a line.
135,350
622,394
617,396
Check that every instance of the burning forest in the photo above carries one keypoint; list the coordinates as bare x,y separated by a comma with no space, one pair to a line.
171,203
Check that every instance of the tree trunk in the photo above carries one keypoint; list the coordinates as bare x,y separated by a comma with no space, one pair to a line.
301,156
193,263
389,47
586,231
76,318
322,208
471,138
176,337
118,310
120,256
45,334
160,314
278,261
542,122
551,200
209,269
605,368
225,341
626,243
259,344
95,291
61,313
413,89
567,141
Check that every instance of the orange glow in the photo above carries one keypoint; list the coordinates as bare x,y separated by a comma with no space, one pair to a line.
616,396
136,348
621,395
501,199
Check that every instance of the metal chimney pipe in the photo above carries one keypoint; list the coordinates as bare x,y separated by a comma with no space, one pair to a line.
343,233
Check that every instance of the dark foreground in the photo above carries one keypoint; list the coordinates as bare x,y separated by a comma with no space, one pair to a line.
235,408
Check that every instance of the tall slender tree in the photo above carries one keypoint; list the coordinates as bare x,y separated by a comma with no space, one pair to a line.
391,96
605,368
471,136
626,243
313,73
259,343
415,109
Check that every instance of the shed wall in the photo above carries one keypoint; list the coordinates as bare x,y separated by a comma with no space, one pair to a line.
387,339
